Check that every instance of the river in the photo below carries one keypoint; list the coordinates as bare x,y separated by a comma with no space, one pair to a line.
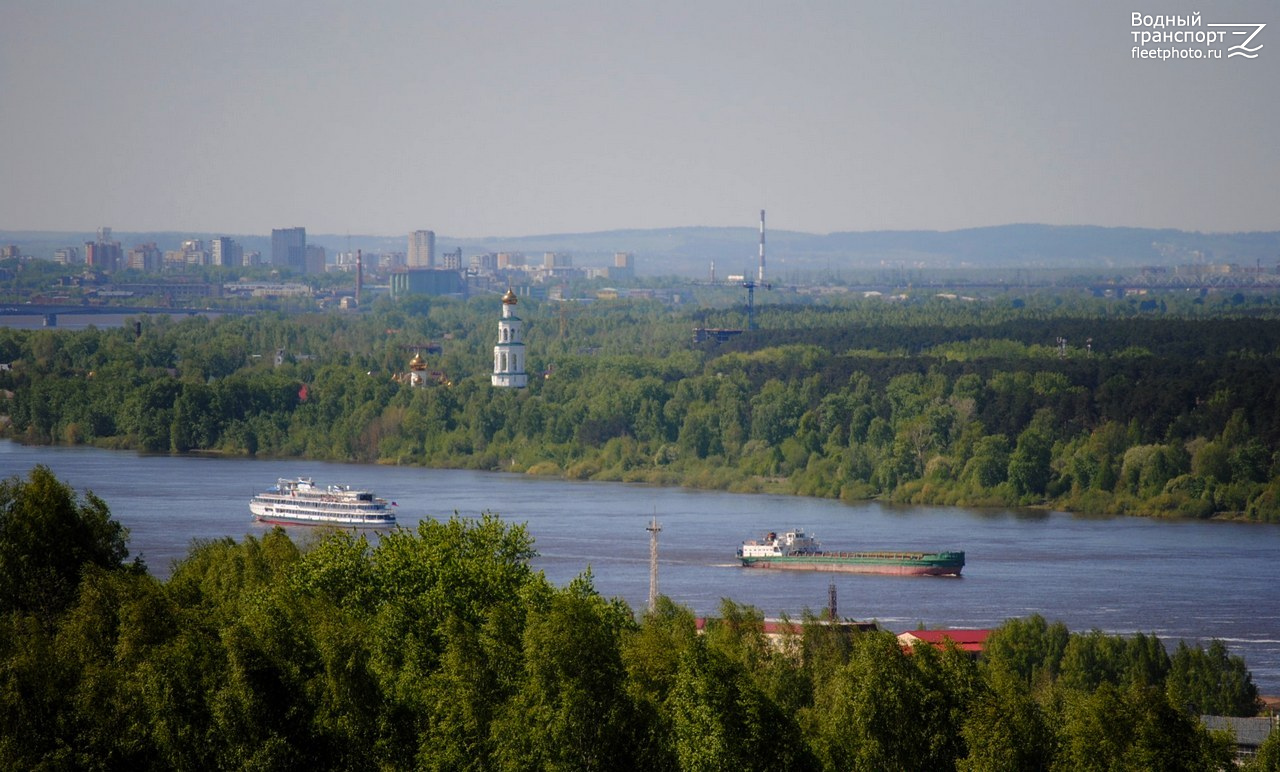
1176,579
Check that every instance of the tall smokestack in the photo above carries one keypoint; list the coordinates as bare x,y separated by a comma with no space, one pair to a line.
760,278
359,274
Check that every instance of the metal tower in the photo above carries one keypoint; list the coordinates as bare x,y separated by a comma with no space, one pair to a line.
653,528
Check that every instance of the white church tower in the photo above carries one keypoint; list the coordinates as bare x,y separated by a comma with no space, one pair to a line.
508,355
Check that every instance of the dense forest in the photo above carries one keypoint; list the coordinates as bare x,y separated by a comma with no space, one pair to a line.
1155,406
441,648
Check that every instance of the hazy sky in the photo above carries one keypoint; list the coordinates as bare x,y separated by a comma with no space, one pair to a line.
482,118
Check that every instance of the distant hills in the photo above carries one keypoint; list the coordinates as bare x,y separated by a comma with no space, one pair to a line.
689,251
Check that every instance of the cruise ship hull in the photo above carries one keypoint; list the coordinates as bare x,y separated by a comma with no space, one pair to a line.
267,513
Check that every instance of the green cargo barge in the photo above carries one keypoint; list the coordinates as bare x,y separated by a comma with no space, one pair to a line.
796,551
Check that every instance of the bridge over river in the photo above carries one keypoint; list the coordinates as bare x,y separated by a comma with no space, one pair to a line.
49,313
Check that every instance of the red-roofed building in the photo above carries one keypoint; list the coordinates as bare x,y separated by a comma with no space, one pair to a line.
971,641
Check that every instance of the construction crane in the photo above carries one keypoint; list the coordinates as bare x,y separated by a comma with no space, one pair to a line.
746,281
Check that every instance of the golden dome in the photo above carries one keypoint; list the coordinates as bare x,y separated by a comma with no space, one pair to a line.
416,363
509,298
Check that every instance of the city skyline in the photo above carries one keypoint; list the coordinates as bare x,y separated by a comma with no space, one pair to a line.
570,117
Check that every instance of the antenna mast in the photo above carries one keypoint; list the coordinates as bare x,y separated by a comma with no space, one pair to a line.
653,528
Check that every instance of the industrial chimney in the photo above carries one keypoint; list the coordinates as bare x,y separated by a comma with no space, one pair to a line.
760,278
359,274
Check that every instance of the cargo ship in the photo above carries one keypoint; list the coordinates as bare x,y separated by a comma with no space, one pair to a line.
302,502
797,551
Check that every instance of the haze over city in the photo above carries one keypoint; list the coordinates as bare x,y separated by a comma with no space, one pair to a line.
481,119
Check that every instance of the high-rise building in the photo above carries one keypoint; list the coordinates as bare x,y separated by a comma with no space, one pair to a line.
146,258
485,263
226,251
66,256
316,259
104,254
193,253
557,266
289,248
508,354
452,260
624,266
426,281
422,249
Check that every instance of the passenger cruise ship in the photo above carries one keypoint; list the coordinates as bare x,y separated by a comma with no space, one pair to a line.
302,502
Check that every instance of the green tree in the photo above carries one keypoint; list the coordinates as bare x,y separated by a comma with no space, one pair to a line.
47,538
1029,469
433,585
572,710
1268,756
460,698
950,683
775,412
652,652
1095,658
866,716
1211,681
989,464
1132,729
105,642
721,720
263,716
1030,650
36,702
1006,730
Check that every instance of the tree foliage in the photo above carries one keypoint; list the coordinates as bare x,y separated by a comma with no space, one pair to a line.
47,538
440,648
1175,413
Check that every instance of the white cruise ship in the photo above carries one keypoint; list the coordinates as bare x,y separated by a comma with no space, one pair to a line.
302,502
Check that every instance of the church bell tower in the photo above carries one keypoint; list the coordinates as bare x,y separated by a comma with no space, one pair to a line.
508,354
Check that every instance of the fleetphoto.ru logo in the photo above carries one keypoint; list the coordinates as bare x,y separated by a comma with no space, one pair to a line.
1173,36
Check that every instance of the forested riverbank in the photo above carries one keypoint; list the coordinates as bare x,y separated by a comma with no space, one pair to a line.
441,648
1093,405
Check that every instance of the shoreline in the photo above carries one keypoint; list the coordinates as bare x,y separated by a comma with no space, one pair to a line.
756,484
